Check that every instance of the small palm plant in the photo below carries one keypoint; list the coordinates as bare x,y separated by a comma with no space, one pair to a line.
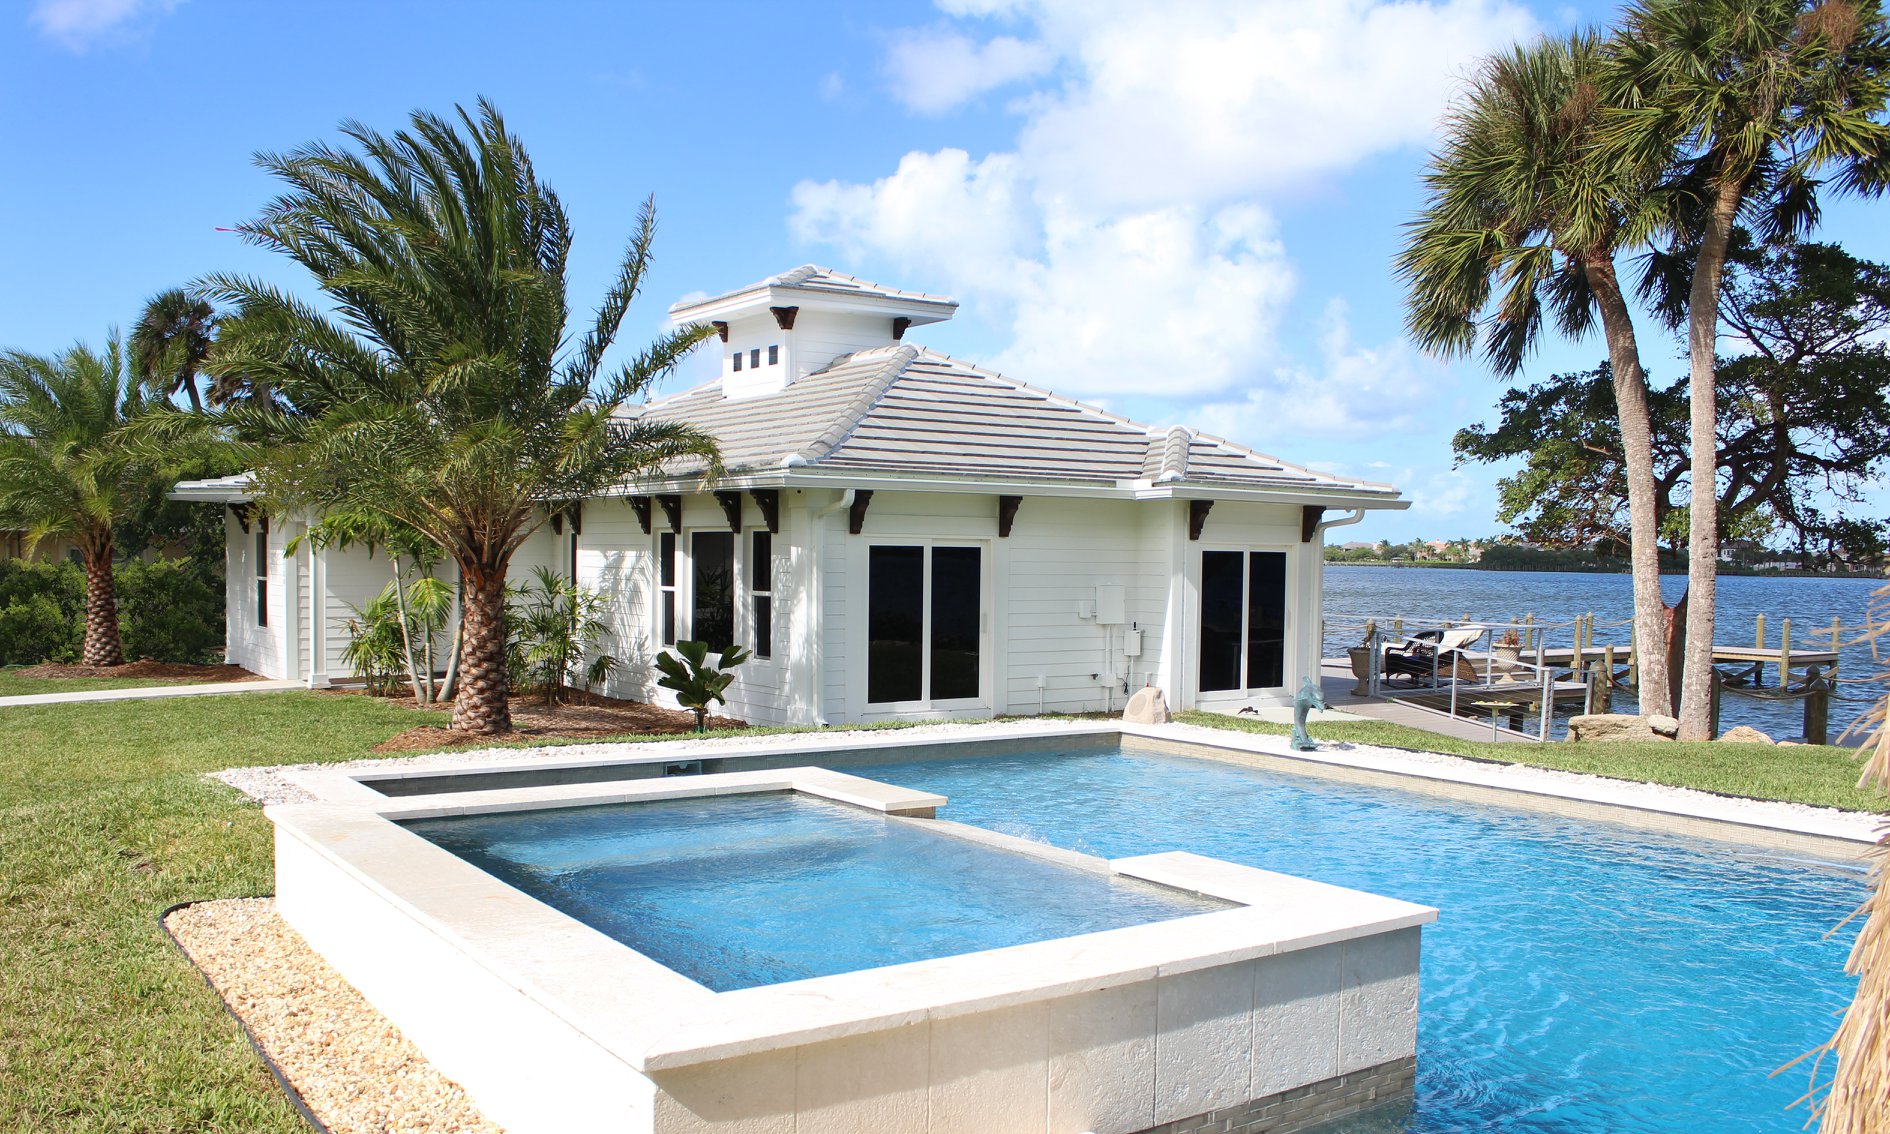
555,625
697,683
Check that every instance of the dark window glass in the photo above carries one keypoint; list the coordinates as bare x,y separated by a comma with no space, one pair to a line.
761,565
754,357
895,598
738,362
764,626
669,618
666,558
1220,620
774,356
262,575
1266,620
956,583
712,583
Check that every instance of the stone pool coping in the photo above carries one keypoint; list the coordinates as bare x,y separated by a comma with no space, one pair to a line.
656,1020
1687,811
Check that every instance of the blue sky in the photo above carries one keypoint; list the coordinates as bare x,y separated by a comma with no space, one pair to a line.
1184,211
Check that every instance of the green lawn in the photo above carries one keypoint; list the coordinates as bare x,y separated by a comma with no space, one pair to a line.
13,684
1823,775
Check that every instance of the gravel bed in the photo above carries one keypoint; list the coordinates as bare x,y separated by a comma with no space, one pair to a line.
352,1067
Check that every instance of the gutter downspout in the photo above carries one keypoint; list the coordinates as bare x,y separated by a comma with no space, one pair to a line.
1319,643
817,614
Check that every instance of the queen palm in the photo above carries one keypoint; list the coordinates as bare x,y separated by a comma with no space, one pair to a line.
69,466
1520,228
441,393
1747,106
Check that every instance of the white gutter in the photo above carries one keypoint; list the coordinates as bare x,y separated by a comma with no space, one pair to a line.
1357,515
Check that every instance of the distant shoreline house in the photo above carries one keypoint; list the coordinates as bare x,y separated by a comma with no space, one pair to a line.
897,535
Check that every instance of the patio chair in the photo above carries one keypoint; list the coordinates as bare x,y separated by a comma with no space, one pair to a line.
1429,655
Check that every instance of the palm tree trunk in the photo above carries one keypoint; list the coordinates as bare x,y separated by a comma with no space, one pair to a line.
481,705
1637,451
102,644
1696,681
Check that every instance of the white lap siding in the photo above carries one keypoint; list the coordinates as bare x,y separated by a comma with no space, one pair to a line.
615,558
255,647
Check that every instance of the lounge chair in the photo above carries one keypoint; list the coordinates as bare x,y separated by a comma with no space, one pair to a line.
1428,655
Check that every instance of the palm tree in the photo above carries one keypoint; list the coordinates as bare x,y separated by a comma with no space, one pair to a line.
1747,106
442,394
170,341
69,467
1516,203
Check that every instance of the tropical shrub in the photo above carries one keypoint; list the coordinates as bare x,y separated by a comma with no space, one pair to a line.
397,635
698,685
553,625
170,610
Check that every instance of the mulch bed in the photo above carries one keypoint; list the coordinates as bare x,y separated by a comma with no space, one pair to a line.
589,716
168,671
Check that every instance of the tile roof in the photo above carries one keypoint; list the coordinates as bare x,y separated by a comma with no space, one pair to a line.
904,410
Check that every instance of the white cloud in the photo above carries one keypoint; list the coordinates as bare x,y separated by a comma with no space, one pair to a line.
1354,391
934,71
1124,241
78,24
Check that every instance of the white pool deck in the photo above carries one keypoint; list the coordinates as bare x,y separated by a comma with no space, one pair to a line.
553,1026
1819,830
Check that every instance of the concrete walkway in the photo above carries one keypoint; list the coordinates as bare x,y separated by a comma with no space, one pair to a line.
145,692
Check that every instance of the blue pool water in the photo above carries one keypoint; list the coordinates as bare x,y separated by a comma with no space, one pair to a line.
1582,977
737,891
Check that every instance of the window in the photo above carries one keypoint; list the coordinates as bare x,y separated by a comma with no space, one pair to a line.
925,611
1243,620
262,572
666,583
738,362
774,355
761,590
712,589
754,358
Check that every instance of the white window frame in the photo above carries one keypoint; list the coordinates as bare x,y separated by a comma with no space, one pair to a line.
861,643
1288,632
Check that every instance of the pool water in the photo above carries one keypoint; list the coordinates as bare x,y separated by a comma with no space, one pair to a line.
1581,976
745,890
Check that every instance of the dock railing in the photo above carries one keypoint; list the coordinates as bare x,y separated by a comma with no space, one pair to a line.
1504,687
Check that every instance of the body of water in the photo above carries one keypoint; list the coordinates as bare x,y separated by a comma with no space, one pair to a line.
1430,594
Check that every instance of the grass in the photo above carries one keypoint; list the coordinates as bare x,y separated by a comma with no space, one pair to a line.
14,684
105,821
1824,775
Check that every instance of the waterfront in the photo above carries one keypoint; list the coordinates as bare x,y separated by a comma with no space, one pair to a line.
1436,593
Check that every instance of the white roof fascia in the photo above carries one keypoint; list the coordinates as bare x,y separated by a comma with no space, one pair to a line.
220,491
920,311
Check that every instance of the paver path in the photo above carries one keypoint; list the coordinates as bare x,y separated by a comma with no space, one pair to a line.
201,689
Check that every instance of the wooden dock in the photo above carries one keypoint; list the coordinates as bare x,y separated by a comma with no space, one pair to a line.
1337,682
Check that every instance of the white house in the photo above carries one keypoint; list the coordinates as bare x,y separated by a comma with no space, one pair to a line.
898,534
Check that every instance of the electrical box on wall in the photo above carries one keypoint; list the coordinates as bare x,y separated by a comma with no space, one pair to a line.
1131,643
1112,604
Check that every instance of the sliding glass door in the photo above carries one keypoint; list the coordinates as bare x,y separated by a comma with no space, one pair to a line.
1243,620
924,623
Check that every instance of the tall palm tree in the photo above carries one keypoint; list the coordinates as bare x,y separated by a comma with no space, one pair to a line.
442,394
1749,106
69,466
1516,204
170,341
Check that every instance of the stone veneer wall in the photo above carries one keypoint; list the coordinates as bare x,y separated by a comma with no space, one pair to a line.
1305,1107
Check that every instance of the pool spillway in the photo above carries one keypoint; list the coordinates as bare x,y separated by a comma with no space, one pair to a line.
853,969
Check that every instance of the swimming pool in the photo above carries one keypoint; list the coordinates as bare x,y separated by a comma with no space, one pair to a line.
1582,977
736,892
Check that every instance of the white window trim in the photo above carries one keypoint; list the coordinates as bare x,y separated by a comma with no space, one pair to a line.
1288,644
861,643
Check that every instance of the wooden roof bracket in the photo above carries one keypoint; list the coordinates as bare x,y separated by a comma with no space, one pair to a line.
1007,514
641,506
1197,517
856,515
1309,521
721,329
784,317
672,511
731,503
900,323
769,501
243,512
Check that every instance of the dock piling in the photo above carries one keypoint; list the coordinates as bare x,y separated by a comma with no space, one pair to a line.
1817,707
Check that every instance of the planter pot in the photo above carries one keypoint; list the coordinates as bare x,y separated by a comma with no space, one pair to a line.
1508,662
1361,668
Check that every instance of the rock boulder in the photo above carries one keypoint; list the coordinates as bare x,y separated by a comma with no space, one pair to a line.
1611,726
1665,726
1146,706
1745,734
